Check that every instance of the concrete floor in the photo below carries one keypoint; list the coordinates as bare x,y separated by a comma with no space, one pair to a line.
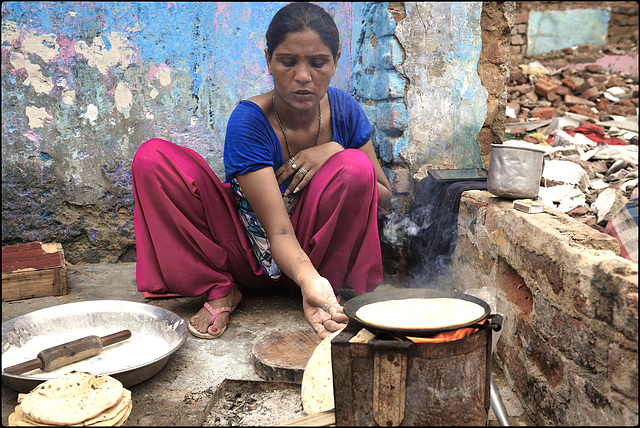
179,393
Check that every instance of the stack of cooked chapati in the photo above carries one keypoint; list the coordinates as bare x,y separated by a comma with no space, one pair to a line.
74,399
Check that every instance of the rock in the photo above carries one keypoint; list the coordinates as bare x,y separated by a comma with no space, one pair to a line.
531,96
579,211
614,81
595,68
564,90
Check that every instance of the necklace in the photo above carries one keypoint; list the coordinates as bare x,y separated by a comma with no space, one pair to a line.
275,110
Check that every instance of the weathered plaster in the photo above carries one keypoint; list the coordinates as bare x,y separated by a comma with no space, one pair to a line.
102,78
552,30
445,100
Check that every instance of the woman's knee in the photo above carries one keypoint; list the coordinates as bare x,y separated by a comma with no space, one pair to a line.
355,170
150,150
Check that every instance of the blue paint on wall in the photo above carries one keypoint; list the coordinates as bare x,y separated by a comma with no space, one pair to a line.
553,30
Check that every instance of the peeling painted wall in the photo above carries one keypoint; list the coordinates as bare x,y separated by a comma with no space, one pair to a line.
552,30
85,83
445,100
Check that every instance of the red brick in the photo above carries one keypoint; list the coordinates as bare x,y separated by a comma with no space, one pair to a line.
614,81
602,104
571,100
628,106
591,93
494,52
515,288
544,113
539,353
616,110
578,109
485,139
570,83
564,90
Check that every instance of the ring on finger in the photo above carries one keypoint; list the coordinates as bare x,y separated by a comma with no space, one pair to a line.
303,171
292,160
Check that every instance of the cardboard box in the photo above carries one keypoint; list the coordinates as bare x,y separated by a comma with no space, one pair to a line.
528,206
33,269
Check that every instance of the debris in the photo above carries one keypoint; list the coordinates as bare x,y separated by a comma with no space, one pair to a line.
586,120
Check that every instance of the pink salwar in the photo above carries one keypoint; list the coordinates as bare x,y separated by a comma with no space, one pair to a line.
190,239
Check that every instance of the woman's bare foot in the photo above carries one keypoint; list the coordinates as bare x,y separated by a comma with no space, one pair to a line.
202,320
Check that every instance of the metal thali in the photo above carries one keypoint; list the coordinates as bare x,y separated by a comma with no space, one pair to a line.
142,319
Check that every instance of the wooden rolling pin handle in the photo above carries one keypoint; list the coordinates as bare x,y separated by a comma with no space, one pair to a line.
67,353
116,337
27,366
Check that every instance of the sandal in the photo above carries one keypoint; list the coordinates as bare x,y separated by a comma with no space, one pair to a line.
214,313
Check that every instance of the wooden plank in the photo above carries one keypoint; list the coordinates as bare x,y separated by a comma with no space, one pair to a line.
322,419
34,283
32,255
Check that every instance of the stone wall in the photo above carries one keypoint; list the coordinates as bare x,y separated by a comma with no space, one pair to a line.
569,344
622,30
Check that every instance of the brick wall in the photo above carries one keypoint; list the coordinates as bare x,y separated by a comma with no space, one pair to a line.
622,30
496,23
569,344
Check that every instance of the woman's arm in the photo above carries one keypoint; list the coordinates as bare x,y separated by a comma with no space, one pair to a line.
319,302
384,187
313,158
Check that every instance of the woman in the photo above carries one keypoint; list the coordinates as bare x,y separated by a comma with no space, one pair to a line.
298,205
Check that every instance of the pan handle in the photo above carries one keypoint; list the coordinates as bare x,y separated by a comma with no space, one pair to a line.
495,324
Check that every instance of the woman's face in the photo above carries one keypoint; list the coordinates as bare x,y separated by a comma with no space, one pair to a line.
302,67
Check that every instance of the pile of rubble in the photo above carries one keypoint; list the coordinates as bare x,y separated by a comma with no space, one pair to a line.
587,122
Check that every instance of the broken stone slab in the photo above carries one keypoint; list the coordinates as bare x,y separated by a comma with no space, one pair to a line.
628,123
566,172
564,197
572,100
608,202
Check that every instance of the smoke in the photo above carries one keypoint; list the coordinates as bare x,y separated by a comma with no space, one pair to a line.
397,228
431,239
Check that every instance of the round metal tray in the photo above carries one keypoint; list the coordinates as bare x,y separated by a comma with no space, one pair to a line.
119,314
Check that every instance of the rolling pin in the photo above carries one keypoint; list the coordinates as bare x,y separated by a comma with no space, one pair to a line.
67,353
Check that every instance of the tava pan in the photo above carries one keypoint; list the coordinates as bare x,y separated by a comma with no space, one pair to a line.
352,306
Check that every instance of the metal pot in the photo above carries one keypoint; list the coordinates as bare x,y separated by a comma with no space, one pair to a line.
515,170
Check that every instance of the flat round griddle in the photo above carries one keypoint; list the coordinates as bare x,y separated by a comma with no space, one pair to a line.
352,306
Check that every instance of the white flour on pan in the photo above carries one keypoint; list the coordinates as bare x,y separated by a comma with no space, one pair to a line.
140,349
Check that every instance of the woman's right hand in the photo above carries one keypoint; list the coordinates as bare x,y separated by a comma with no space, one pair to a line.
321,308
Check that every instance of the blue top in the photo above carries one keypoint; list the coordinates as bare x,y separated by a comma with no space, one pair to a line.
251,143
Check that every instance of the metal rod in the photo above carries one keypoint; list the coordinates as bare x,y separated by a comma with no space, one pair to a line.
497,405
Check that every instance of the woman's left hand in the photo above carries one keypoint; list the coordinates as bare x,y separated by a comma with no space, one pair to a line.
304,166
